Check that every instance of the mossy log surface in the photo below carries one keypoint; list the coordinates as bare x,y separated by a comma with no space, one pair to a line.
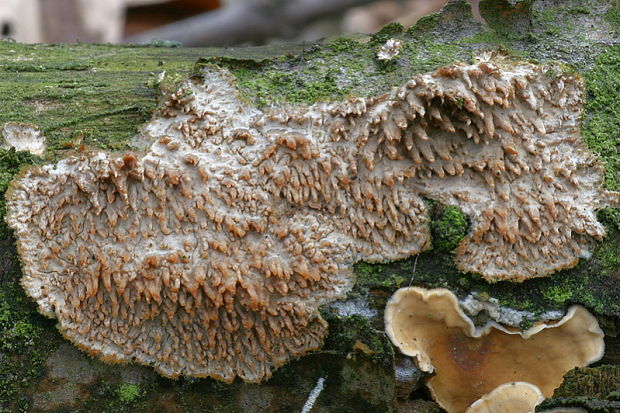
97,96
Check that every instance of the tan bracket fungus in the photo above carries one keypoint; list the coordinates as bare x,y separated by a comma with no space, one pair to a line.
514,397
209,253
469,362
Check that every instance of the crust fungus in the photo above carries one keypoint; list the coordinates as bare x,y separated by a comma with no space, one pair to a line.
515,397
23,137
208,253
469,362
389,50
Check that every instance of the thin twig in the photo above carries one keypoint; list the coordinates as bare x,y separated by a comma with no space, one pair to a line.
314,394
415,264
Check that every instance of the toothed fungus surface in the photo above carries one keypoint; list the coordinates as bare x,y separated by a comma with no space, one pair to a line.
209,252
23,137
514,397
389,50
471,361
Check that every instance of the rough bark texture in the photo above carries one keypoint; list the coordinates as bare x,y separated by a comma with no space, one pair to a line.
97,96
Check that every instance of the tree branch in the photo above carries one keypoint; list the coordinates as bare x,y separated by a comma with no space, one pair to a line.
254,21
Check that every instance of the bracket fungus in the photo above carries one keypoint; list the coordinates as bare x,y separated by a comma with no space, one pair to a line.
514,397
471,361
208,252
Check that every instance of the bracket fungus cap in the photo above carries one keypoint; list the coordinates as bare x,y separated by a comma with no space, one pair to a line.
470,361
514,397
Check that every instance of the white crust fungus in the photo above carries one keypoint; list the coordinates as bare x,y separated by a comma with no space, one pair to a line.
484,308
389,50
469,362
209,253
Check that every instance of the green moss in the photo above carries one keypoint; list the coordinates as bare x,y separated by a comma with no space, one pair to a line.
129,393
579,10
607,254
109,396
426,55
601,127
274,85
346,66
352,334
424,24
25,337
548,15
22,346
163,43
98,89
557,294
598,382
589,404
488,37
613,17
449,228
340,67
610,217
269,86
389,31
17,335
507,17
378,276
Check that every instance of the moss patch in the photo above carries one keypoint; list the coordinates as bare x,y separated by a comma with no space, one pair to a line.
345,66
129,393
25,337
601,127
90,94
598,382
508,17
348,335
590,404
613,17
448,228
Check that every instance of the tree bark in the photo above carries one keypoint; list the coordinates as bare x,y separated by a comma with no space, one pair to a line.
97,97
